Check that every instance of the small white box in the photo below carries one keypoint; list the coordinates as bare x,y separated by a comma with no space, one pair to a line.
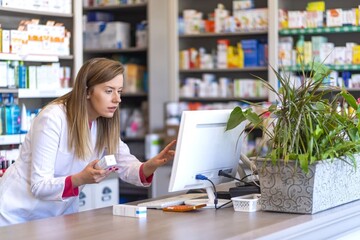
107,162
18,41
327,53
340,55
334,17
129,211
296,19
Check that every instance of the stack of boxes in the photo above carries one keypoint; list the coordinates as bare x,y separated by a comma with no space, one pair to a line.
56,6
34,38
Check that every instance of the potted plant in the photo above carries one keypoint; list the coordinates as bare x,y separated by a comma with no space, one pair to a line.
312,157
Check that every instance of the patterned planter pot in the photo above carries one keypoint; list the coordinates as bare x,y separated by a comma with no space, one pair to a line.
286,188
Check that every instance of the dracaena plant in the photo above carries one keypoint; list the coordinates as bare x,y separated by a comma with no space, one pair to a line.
305,125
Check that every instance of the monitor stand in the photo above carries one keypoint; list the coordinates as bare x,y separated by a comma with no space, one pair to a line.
208,201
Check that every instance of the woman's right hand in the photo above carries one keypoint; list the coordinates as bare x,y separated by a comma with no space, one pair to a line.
90,174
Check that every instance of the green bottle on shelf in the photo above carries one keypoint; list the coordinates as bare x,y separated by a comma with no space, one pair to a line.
300,50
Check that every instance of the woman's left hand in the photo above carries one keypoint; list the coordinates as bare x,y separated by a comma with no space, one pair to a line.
166,155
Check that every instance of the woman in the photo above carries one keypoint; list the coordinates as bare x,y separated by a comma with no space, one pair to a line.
66,140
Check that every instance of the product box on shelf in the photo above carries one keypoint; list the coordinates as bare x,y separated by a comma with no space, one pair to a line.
134,75
334,17
107,35
296,19
5,41
18,41
252,19
250,48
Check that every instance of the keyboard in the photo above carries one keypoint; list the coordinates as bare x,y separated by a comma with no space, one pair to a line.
171,201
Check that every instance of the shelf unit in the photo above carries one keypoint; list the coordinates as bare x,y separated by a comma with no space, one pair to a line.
208,41
133,14
338,35
9,19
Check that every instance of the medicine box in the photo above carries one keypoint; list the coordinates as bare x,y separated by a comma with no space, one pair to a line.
334,17
129,211
107,162
134,75
107,35
250,48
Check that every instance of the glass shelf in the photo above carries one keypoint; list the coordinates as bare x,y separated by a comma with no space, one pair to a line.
36,93
30,57
245,69
117,7
11,139
320,30
230,34
116,50
223,99
349,67
20,11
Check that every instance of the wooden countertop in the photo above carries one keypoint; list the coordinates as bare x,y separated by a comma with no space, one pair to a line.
100,224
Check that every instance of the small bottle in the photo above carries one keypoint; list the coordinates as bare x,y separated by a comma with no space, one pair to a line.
300,50
12,116
22,75
24,120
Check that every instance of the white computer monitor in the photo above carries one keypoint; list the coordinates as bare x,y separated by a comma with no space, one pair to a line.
204,147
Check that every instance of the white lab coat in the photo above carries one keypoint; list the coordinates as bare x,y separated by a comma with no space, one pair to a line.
32,187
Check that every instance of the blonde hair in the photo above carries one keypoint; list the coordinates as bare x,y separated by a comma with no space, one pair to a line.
94,71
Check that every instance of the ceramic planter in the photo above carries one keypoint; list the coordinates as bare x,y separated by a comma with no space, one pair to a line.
286,188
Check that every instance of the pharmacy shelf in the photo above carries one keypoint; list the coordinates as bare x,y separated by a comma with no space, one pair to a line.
349,67
68,57
115,50
230,34
11,139
226,70
29,58
115,7
36,93
34,12
223,99
323,30
51,93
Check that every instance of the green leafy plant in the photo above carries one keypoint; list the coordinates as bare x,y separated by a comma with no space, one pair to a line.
305,125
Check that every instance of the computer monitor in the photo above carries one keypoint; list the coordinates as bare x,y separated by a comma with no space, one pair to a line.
204,147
